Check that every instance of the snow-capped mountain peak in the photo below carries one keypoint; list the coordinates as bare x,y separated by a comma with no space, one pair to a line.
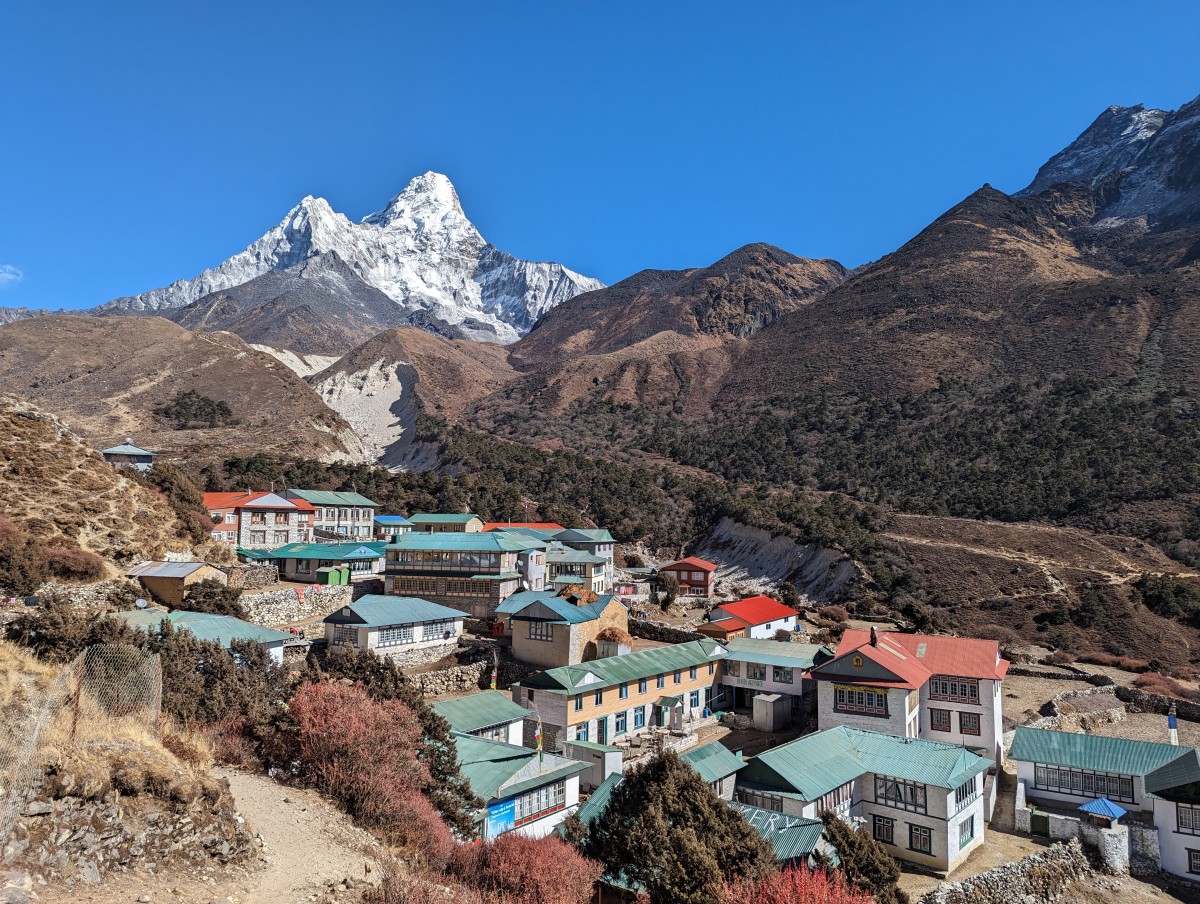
420,250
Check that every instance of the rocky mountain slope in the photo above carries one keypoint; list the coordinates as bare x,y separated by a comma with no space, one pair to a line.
421,251
56,488
106,376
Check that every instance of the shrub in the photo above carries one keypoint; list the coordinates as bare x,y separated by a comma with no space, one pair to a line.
795,886
190,409
23,566
1060,657
837,614
215,598
867,865
1125,663
783,635
70,563
1154,683
521,870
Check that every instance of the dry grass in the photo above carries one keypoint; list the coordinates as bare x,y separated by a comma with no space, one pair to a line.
21,672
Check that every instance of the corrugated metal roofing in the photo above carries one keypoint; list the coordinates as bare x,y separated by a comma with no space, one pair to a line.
515,602
128,448
907,672
791,837
376,610
436,518
584,535
597,803
165,569
775,652
818,763
757,610
331,551
391,519
497,770
1102,806
481,710
567,579
549,528
1087,751
961,657
1183,770
558,554
691,562
629,667
494,541
566,612
713,761
223,629
331,497
246,500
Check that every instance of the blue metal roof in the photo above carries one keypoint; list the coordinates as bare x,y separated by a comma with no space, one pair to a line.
375,610
1102,806
391,519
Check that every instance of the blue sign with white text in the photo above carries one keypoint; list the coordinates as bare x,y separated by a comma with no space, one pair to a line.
500,818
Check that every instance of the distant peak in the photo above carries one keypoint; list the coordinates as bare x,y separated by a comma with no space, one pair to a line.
430,194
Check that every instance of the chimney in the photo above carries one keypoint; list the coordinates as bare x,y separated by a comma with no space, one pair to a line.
874,637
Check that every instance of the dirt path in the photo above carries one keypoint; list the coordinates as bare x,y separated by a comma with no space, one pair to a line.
309,845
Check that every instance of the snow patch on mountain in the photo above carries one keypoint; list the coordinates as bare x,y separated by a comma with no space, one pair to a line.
420,250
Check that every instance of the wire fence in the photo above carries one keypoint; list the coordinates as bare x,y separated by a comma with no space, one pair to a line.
106,690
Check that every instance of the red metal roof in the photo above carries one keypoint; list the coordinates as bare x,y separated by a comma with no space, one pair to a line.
247,500
726,625
689,563
961,657
758,610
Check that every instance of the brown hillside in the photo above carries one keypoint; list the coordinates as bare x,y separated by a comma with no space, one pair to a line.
733,298
54,485
107,375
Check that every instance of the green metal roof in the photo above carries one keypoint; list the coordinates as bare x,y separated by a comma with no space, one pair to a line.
331,551
791,837
599,673
376,610
515,602
1173,779
497,770
330,497
436,518
584,535
597,803
1087,751
502,576
567,579
818,763
713,761
492,541
592,745
567,613
224,629
481,710
775,652
561,554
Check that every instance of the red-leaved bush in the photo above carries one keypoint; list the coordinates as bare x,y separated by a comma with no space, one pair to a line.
1154,683
795,886
516,869
363,753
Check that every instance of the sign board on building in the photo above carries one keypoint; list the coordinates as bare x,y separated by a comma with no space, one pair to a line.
501,818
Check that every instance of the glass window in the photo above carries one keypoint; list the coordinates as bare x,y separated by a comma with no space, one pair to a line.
939,719
1193,861
619,723
1187,818
694,700
541,631
599,697
733,669
896,792
692,673
883,829
578,702
966,831
860,700
968,723
395,635
756,672
781,675
623,691
964,794
957,690
920,839
642,686
639,717
678,676
581,732
662,681
711,667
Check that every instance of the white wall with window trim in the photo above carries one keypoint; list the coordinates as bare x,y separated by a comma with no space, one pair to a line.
979,700
536,812
389,640
1050,781
1178,837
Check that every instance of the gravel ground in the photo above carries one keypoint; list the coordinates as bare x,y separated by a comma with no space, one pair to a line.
1023,696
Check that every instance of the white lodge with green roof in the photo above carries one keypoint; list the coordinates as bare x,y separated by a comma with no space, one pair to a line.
400,628
605,700
469,570
924,800
339,515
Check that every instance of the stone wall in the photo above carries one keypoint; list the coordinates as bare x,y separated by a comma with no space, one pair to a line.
1053,717
279,607
1111,845
1140,701
72,840
90,596
251,577
1144,852
662,633
475,670
1038,879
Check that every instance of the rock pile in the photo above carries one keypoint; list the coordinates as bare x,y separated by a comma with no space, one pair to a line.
1038,879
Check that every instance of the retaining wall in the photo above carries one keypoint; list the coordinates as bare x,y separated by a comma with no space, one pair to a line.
654,631
1038,879
279,607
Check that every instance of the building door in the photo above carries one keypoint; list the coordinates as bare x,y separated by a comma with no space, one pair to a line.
602,730
1039,824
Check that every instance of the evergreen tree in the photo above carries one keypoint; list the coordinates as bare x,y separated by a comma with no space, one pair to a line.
865,861
215,598
665,829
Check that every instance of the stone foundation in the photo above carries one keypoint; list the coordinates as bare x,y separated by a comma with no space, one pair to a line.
280,607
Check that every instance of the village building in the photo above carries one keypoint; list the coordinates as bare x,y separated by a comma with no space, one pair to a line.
618,697
445,524
221,629
717,765
927,802
338,515
323,563
1061,773
756,667
168,582
524,790
567,566
597,542
404,629
127,455
694,576
491,715
259,520
755,616
948,689
550,631
544,530
389,527
471,570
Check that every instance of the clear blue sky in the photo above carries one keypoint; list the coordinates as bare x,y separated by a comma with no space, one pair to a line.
142,142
